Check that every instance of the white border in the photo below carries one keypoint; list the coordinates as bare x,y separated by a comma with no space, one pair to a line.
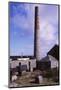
4,44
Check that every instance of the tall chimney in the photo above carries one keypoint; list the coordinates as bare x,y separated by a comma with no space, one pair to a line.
37,36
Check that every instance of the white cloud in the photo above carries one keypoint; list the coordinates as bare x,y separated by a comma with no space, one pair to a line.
47,31
48,36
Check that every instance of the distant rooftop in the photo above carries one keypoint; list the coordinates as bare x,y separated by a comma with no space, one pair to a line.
16,57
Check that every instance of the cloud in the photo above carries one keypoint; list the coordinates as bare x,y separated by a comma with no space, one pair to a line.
48,37
47,31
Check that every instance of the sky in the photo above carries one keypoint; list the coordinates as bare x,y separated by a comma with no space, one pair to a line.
21,28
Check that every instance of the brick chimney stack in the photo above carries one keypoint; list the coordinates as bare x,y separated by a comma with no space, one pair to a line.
37,36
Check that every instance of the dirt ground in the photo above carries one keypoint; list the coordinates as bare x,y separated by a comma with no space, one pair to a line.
31,79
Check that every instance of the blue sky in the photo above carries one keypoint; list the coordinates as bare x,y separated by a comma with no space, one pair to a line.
22,28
